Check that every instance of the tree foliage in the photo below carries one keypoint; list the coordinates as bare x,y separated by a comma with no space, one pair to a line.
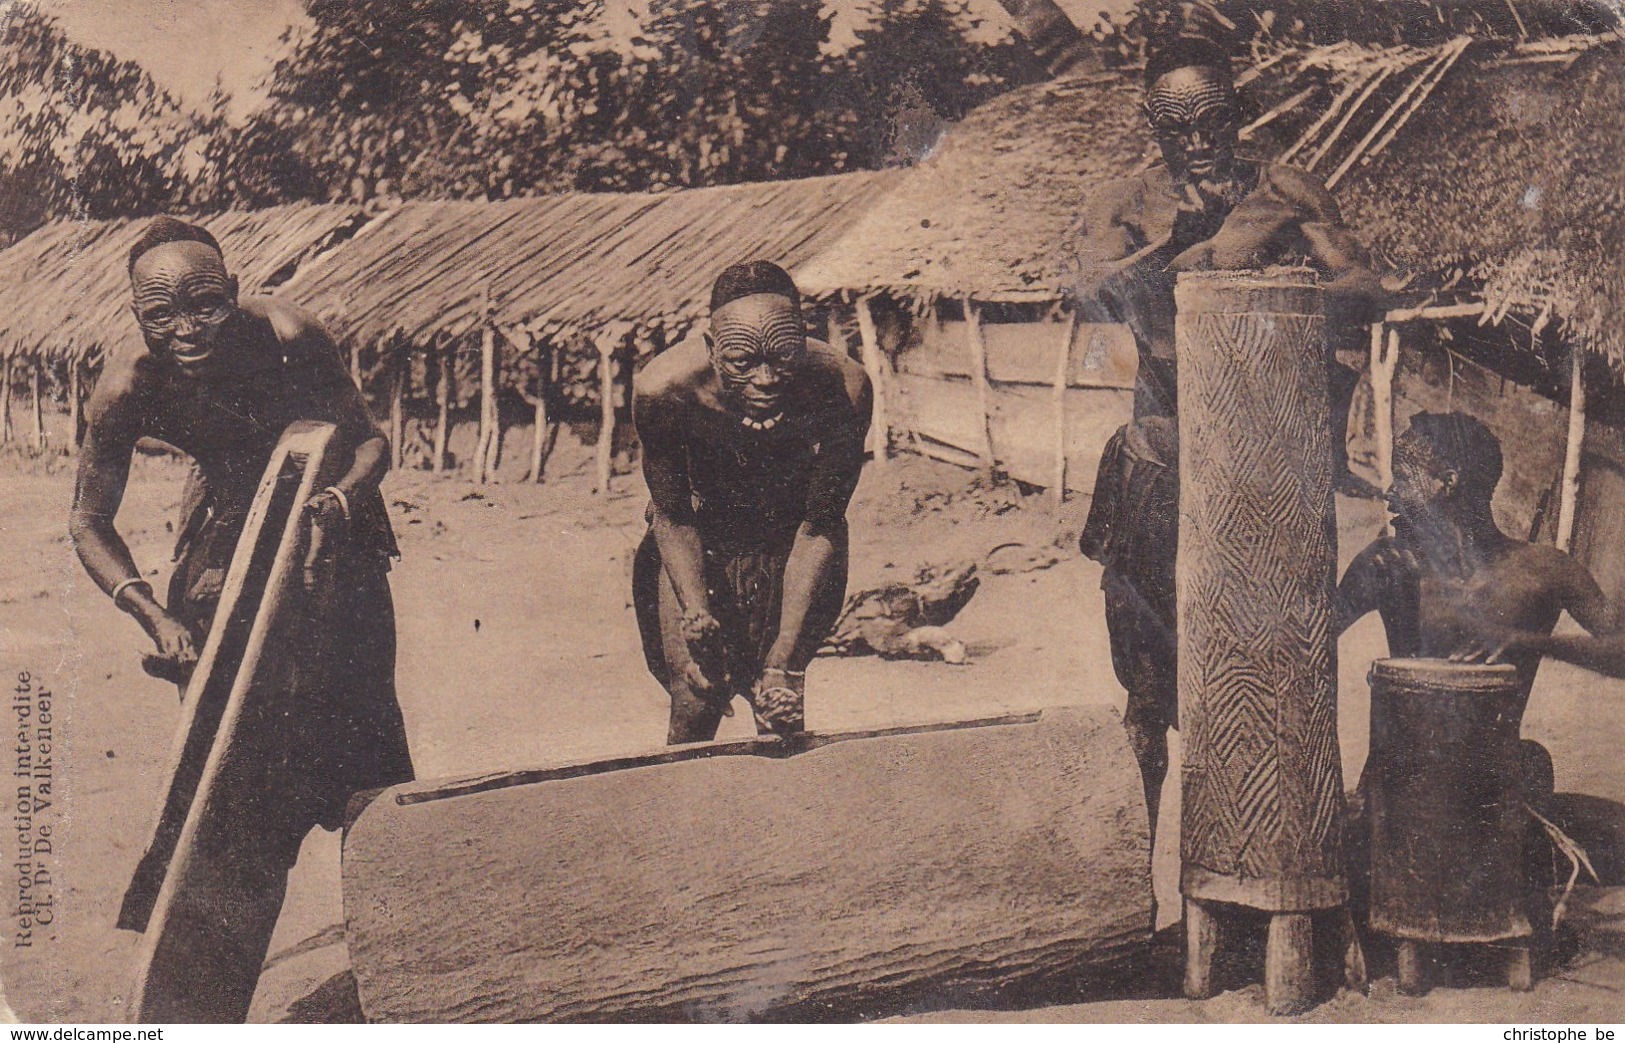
491,98
82,133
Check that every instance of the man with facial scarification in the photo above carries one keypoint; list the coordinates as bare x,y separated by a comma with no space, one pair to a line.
220,379
752,446
1204,208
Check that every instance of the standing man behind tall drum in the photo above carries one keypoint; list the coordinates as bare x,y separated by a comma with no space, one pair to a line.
1205,207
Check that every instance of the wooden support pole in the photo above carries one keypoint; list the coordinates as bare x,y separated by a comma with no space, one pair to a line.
34,385
355,362
402,369
833,332
442,428
606,344
1201,945
978,374
75,407
1413,968
1571,456
539,436
5,401
1436,311
485,454
1063,371
1289,980
1384,361
874,363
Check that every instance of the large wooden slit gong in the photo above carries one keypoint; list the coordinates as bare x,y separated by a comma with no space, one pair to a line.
1263,793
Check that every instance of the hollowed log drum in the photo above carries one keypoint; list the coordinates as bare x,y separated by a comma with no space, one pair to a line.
1263,794
1444,790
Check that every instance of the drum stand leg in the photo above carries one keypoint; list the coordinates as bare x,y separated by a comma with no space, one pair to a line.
1413,969
1354,972
1520,968
1289,979
1201,943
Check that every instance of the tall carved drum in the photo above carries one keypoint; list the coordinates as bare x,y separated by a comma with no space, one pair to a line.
1445,800
1263,792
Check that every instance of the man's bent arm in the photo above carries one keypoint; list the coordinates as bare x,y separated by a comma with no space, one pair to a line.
1602,648
665,471
104,469
342,402
814,563
818,555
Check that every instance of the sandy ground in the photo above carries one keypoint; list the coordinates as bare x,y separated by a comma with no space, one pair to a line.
518,645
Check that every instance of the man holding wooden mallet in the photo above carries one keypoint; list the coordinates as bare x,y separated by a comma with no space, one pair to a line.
220,380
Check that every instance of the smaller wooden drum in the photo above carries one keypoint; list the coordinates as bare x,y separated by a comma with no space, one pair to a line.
1446,802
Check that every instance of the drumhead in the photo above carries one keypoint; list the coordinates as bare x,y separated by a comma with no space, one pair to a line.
1442,674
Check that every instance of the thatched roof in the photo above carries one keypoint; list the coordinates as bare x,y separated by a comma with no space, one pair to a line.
987,211
552,265
1504,165
65,293
1517,178
563,266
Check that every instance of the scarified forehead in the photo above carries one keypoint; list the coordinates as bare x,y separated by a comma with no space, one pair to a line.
165,268
1186,94
759,312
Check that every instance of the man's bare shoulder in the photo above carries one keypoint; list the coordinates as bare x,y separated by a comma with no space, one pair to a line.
673,374
835,370
125,377
291,322
1127,194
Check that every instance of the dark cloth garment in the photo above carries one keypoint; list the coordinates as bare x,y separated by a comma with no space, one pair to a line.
347,733
746,584
1133,531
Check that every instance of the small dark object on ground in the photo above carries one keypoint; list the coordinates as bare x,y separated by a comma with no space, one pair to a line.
907,620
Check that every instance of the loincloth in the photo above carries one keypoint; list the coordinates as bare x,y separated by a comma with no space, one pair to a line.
342,734
746,587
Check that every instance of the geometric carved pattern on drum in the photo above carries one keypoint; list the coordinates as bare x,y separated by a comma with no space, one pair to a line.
1263,793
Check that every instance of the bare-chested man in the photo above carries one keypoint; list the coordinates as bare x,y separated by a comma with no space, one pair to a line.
1205,207
220,380
753,440
1450,584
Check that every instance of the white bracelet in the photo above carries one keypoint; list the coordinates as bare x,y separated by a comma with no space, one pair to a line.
344,501
133,581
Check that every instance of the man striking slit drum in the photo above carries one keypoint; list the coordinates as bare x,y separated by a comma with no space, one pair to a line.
220,380
753,441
